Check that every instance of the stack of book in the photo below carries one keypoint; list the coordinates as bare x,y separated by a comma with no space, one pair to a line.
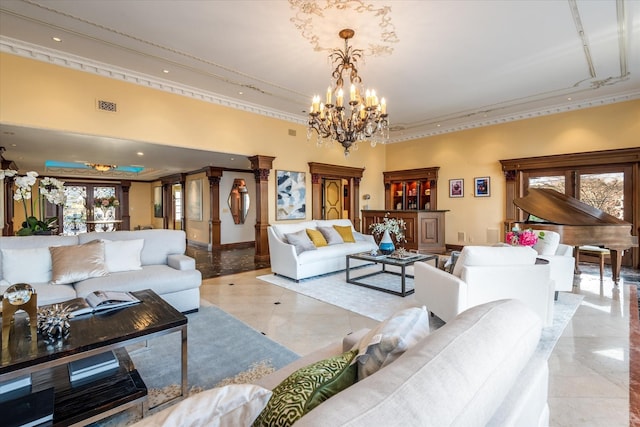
34,409
89,367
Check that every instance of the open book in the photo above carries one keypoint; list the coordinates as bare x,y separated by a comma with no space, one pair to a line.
99,301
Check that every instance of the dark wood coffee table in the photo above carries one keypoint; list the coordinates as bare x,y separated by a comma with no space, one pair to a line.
385,261
91,335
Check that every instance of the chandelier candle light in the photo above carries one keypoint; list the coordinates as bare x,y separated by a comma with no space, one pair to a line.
364,118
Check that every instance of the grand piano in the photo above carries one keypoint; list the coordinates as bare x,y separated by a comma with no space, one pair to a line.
577,223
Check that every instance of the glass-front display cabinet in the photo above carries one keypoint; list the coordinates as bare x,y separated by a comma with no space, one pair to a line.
412,189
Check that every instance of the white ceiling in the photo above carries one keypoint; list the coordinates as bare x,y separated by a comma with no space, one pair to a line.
442,65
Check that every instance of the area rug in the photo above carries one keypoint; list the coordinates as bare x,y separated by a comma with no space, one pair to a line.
333,289
221,350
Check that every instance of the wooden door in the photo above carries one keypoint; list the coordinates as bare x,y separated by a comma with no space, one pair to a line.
332,198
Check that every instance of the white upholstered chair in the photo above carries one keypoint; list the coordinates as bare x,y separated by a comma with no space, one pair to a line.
560,257
486,273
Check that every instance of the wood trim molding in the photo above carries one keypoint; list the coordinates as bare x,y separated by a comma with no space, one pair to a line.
261,166
412,174
594,158
335,171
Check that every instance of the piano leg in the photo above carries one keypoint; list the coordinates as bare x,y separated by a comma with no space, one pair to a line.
616,263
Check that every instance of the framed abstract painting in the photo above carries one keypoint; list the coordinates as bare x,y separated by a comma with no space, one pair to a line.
291,195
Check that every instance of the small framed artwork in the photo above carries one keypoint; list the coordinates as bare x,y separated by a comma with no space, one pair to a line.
291,195
456,188
482,186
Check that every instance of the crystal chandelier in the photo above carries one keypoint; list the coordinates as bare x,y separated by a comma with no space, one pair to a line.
362,118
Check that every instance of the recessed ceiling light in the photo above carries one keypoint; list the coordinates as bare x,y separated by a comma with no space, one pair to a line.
232,158
165,71
438,125
569,99
240,93
56,39
140,153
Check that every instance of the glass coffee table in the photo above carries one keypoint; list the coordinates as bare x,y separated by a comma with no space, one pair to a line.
91,335
385,261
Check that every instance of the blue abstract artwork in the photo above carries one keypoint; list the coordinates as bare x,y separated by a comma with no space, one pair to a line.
291,195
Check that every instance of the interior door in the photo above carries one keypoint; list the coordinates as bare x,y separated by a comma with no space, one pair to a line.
332,198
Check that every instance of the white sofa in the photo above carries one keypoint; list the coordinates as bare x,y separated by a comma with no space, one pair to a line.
285,261
487,273
163,267
480,369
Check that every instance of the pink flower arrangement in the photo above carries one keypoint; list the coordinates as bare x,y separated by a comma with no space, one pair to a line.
521,238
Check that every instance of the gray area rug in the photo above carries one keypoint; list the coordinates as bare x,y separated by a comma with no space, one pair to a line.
220,347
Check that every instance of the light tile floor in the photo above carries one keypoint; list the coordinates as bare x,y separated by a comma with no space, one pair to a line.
589,367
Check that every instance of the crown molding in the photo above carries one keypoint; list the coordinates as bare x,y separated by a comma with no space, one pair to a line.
56,57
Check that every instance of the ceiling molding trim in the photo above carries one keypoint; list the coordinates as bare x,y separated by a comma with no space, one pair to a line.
547,111
55,57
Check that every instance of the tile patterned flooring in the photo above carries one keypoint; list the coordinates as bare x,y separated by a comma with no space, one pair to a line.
589,382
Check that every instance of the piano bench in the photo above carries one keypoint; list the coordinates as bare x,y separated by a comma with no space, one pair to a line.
596,252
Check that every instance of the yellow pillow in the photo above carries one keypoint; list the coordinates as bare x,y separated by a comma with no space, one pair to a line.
346,233
317,238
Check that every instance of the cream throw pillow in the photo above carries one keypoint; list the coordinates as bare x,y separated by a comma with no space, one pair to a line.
71,264
231,405
123,255
386,342
32,265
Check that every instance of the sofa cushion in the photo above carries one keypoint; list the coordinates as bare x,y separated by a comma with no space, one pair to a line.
306,388
387,341
494,255
79,262
29,265
29,242
547,243
161,278
236,404
123,255
280,230
317,238
158,244
331,235
346,232
300,240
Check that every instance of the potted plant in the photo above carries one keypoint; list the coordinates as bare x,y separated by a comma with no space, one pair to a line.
49,189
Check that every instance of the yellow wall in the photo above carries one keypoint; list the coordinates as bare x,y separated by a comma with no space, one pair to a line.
477,152
38,94
41,95
140,204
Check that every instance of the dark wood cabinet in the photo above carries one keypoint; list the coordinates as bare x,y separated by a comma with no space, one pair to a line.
411,189
425,230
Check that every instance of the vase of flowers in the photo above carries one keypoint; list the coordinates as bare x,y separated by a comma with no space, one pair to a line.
105,204
388,227
49,189
517,237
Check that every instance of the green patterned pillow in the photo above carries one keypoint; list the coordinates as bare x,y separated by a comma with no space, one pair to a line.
306,388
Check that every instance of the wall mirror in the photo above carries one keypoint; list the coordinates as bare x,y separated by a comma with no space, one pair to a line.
239,201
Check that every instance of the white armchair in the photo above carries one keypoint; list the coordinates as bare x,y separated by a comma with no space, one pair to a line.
560,257
483,274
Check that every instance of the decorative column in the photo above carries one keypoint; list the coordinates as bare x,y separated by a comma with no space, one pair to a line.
316,196
214,175
262,166
166,199
124,206
511,192
7,200
355,203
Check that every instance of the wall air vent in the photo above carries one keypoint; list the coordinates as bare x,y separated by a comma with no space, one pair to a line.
107,106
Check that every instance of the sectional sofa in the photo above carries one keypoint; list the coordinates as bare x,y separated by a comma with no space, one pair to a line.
60,268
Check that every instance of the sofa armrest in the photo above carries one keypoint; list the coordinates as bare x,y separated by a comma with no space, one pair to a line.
351,340
444,294
283,256
181,262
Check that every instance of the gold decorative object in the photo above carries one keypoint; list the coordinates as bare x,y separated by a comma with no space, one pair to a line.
20,296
